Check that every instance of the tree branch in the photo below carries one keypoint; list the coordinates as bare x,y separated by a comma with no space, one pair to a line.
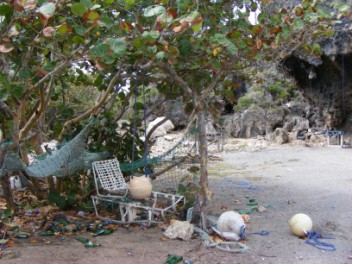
39,111
45,78
175,77
92,110
4,108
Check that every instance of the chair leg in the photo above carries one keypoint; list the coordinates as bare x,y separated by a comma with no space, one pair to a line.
95,207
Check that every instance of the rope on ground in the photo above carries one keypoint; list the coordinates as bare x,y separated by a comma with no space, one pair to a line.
313,240
210,243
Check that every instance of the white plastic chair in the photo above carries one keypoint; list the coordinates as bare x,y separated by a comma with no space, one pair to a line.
109,178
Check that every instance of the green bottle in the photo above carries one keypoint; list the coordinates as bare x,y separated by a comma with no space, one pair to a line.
21,235
47,233
173,259
103,232
90,244
82,240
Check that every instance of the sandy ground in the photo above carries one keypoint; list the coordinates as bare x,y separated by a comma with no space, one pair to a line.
284,180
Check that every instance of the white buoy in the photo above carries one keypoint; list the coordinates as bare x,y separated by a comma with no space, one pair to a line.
300,224
140,187
231,221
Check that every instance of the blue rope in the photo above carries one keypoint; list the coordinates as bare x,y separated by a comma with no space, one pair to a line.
243,235
146,153
343,75
313,240
134,124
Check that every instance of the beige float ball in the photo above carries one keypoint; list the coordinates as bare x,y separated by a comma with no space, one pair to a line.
140,187
300,224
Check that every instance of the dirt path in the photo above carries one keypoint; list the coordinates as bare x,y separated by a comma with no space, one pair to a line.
285,180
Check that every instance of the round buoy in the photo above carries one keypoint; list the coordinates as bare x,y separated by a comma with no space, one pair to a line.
300,224
140,187
231,221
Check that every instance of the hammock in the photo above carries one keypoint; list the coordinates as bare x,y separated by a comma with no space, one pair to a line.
67,160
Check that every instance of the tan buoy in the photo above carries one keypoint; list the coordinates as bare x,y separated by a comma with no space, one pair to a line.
300,224
140,187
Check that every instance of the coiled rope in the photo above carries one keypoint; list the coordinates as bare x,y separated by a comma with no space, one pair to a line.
223,246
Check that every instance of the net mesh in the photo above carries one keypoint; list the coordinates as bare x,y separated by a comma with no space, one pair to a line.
73,157
67,160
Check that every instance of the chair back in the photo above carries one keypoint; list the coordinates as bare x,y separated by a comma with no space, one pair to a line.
109,174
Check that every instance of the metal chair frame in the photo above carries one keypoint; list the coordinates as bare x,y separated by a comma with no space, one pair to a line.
108,176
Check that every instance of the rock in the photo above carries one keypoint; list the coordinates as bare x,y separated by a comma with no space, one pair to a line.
179,229
280,136
162,130
250,123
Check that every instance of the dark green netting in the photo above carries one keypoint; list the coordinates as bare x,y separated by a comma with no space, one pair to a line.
173,155
67,160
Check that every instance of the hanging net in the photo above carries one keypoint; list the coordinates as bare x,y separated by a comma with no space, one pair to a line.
68,159
170,167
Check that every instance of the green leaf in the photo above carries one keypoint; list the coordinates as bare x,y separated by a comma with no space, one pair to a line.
298,23
99,80
242,44
6,214
63,29
165,18
138,43
78,9
154,34
5,9
86,3
344,8
16,91
219,39
49,67
160,55
91,15
232,48
95,7
185,47
216,64
118,47
154,11
47,9
107,21
198,27
78,40
130,2
100,50
324,13
148,37
3,94
152,49
71,199
80,30
3,241
25,74
109,2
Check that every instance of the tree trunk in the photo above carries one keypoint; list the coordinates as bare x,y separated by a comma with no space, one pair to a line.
5,183
35,181
206,193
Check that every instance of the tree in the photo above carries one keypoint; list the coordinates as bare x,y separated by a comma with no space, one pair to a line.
190,48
